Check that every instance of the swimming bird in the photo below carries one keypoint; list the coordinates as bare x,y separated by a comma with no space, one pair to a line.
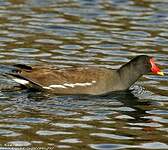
84,79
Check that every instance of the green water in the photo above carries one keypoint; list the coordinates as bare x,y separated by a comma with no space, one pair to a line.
92,32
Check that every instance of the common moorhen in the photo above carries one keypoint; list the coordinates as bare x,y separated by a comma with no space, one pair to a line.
86,79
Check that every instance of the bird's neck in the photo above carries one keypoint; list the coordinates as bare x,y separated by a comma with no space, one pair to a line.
129,74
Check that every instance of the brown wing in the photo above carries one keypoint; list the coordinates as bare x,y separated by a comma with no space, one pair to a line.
72,80
47,77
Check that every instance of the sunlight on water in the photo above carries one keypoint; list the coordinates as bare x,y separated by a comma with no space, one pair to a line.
99,33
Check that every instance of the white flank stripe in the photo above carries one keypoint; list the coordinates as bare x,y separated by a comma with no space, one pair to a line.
21,81
69,85
46,87
57,86
65,85
77,84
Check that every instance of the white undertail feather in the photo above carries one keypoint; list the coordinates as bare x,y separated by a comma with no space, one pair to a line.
21,81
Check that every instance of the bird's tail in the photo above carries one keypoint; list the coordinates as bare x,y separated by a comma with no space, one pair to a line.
23,81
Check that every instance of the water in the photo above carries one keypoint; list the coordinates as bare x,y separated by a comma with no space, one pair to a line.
73,32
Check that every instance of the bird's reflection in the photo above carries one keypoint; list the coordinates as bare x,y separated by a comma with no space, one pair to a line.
32,99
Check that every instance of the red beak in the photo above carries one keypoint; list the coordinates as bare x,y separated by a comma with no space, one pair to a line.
155,69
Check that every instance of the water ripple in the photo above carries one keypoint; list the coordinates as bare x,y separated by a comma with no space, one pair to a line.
112,136
97,33
48,133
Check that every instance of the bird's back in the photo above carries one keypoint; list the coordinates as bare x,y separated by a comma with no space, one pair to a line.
72,80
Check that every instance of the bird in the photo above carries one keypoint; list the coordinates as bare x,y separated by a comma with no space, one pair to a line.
83,80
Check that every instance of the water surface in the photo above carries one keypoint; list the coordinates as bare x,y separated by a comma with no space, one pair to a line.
66,33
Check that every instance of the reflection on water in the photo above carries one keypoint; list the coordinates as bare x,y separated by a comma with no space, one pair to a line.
96,32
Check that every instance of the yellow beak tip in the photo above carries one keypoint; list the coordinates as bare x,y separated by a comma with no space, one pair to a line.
160,73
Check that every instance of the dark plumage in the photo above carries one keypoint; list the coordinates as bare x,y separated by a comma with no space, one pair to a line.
84,80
